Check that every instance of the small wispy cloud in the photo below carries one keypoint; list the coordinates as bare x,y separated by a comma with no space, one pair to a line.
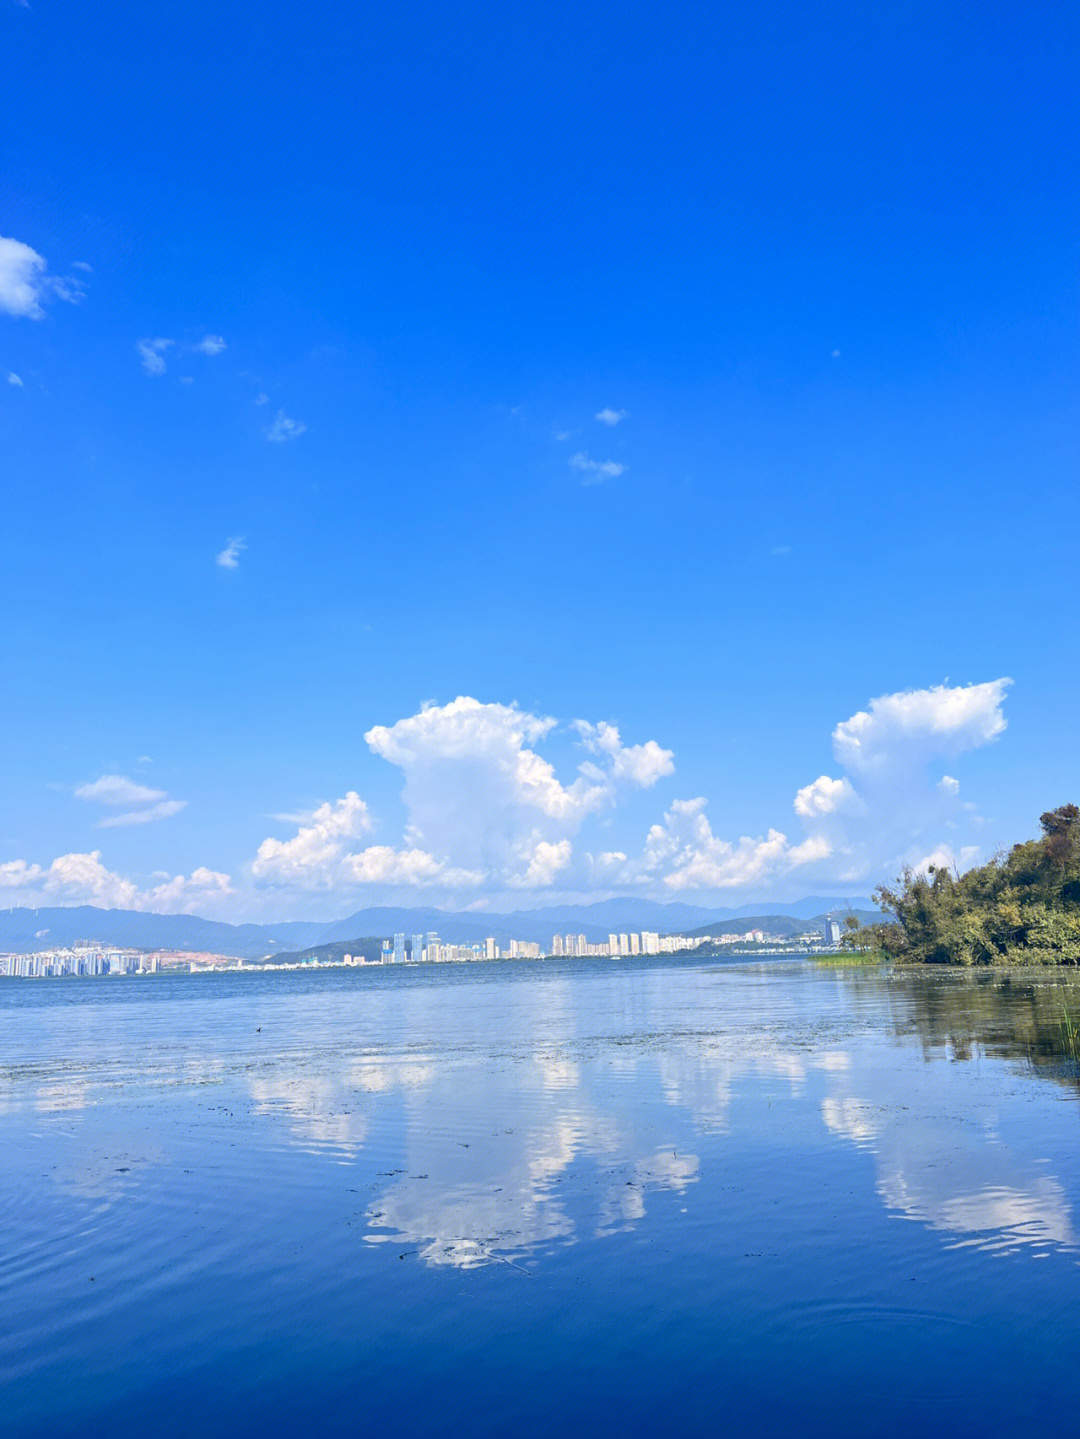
152,354
117,789
229,558
14,379
164,809
187,379
595,471
68,288
284,429
140,804
780,550
209,345
608,416
261,398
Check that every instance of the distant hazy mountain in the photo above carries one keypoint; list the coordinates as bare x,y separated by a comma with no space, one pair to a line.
595,921
808,908
784,925
23,930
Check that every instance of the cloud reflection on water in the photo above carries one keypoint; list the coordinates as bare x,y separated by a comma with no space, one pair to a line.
494,1135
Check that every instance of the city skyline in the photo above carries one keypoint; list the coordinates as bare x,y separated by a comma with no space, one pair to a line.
93,959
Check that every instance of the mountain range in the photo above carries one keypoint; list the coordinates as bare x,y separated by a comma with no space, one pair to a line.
25,930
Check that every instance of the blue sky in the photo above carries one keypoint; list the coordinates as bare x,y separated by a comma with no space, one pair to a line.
817,264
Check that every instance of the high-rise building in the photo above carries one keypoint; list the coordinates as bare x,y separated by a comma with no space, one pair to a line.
613,944
624,944
491,949
387,951
416,953
399,949
830,930
557,944
635,944
650,942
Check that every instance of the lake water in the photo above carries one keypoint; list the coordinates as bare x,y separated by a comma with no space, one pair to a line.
636,1198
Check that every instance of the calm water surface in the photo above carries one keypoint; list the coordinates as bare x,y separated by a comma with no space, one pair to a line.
539,1198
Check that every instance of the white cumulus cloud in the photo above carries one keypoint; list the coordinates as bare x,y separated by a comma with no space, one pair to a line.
546,862
312,857
321,856
14,379
382,864
483,806
25,282
885,812
639,764
477,790
608,416
914,726
84,879
824,796
22,279
685,854
209,345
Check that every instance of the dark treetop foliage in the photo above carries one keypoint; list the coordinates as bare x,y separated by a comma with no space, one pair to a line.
1021,908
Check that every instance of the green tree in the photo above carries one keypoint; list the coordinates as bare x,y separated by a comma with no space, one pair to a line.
1023,907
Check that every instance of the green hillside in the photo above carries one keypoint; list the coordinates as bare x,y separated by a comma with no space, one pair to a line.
334,953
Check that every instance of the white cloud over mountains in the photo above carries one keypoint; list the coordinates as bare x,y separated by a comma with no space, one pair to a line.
84,879
484,807
488,815
313,854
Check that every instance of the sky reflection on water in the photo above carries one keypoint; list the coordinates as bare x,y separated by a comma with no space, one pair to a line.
656,1130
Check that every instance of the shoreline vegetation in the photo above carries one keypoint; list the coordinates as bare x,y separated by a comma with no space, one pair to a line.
1022,908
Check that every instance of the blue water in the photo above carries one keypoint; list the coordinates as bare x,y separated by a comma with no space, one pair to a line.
569,1197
